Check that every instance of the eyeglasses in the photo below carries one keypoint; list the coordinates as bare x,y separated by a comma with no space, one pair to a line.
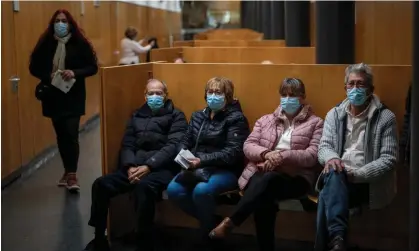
216,92
357,84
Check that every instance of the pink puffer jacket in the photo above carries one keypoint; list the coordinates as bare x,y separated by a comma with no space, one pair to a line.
301,160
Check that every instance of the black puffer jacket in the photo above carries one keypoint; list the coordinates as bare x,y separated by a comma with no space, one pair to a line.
218,142
153,140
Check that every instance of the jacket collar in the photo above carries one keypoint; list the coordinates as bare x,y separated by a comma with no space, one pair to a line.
305,112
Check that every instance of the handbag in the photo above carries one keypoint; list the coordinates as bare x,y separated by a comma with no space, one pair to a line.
191,177
42,91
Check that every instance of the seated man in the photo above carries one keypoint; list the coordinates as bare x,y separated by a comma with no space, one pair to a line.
148,149
359,151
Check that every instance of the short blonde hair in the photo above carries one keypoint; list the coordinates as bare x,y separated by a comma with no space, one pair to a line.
224,84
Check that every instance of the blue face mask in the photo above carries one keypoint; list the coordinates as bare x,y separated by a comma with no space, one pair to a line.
357,96
290,105
155,102
61,29
215,102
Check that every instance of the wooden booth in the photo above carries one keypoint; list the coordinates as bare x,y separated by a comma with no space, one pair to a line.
256,86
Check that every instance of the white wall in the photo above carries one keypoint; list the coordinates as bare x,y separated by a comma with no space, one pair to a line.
169,5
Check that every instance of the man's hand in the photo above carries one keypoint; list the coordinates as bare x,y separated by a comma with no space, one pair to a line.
140,172
131,170
334,165
195,162
67,74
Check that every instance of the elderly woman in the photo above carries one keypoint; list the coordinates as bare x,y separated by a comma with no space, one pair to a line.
282,154
215,137
130,48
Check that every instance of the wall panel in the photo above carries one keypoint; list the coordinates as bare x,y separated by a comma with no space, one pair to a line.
104,25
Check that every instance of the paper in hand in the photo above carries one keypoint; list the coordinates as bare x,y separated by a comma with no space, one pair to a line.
183,158
60,83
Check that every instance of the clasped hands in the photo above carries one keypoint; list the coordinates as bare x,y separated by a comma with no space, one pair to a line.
272,160
136,173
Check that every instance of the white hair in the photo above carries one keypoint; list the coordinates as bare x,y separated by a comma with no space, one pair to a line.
360,68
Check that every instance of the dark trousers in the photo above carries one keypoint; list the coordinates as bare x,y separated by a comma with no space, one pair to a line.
264,190
146,193
67,132
335,199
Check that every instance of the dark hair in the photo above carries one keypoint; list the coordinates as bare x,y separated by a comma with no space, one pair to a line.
76,32
292,86
130,32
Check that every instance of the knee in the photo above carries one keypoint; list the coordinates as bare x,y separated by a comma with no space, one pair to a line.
203,191
332,178
175,190
98,184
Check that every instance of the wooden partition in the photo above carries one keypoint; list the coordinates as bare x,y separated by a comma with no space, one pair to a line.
229,34
230,43
166,54
189,43
284,55
256,86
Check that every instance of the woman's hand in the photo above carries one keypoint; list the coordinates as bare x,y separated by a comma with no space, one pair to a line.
67,74
267,166
274,157
195,162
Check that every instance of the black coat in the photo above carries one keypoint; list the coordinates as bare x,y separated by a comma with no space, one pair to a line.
218,141
406,131
153,140
81,59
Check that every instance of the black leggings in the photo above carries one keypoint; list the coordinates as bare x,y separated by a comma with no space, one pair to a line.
67,132
260,198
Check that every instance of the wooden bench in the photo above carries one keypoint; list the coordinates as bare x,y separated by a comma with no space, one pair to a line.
256,87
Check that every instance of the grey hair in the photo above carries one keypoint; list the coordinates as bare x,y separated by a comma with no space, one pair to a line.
360,68
165,90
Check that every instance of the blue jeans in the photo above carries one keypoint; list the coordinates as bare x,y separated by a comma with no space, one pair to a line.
335,199
200,201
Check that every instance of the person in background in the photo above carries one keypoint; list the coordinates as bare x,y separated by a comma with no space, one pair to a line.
282,154
406,131
266,62
359,151
153,41
63,49
130,48
179,61
149,147
215,137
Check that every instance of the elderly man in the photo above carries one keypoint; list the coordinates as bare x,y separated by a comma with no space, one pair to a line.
359,151
149,147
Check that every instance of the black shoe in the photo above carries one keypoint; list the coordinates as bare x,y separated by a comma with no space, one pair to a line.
97,245
337,244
